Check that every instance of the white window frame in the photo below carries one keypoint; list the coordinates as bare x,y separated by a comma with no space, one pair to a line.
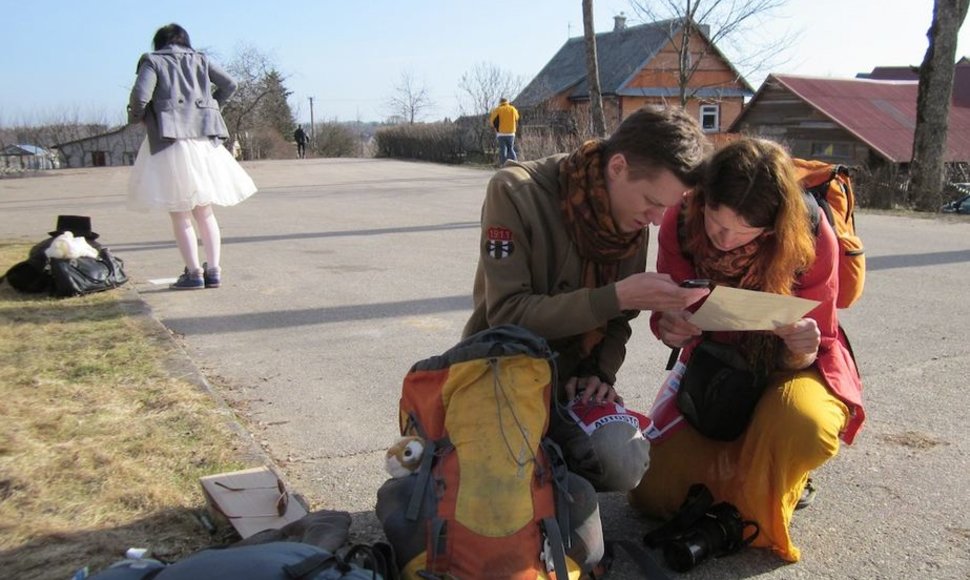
713,111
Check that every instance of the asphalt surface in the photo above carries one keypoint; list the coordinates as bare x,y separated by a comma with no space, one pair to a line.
340,274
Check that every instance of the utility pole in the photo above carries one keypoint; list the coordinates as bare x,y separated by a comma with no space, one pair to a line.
313,139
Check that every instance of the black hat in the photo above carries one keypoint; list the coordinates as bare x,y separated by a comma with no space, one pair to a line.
79,225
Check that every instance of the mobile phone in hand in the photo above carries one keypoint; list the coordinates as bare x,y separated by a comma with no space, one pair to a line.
696,283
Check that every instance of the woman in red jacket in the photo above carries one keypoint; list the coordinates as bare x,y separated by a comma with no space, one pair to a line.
747,226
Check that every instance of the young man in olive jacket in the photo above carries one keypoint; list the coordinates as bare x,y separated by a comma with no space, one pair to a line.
563,253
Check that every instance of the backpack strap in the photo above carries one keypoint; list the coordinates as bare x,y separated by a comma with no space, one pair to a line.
815,211
424,477
560,482
437,544
554,536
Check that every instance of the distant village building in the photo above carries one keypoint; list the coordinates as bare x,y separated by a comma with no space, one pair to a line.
116,147
860,121
638,66
24,157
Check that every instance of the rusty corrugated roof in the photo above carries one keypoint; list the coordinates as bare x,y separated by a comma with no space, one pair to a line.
882,114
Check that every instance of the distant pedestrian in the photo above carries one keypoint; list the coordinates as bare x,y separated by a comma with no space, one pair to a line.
301,139
505,119
182,166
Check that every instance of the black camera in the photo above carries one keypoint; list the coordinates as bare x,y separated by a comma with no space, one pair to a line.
701,529
718,532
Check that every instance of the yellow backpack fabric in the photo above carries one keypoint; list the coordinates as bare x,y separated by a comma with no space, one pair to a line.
484,499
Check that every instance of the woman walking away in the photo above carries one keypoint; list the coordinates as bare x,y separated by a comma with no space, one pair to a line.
182,166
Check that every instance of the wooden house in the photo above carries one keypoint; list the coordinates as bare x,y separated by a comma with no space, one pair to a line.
860,121
638,66
116,147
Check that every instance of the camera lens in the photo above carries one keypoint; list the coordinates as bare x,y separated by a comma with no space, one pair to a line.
707,538
683,555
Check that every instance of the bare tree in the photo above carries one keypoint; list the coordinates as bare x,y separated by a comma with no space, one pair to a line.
731,24
481,88
410,98
479,92
933,104
251,68
592,71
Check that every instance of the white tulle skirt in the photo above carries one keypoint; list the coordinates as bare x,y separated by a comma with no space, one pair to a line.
186,174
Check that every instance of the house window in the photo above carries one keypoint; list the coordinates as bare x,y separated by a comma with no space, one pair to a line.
710,118
830,150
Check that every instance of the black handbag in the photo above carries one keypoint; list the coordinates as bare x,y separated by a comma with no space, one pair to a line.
79,276
718,392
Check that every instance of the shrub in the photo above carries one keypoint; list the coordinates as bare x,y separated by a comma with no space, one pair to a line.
439,142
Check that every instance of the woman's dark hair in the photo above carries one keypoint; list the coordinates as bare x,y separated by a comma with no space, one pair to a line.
171,34
755,178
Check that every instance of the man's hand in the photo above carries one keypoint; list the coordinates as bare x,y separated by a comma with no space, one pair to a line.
592,388
675,328
653,291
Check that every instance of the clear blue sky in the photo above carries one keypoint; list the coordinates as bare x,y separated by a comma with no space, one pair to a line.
67,58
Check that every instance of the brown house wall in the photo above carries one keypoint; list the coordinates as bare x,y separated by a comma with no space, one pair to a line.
662,71
783,117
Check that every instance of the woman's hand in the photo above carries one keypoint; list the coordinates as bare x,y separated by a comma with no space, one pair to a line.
592,388
653,291
675,328
801,337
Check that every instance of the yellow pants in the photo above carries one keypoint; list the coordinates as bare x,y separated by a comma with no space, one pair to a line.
795,429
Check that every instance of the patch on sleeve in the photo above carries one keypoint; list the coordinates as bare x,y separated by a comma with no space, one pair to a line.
499,243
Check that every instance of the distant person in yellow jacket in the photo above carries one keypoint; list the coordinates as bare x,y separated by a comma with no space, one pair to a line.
505,119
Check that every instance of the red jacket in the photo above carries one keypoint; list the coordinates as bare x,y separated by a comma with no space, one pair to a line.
834,361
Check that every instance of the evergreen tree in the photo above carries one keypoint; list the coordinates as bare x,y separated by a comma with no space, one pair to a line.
274,110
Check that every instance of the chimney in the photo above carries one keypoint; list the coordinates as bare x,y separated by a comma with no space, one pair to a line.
619,22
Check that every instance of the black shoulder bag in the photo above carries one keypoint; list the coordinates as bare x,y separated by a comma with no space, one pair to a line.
718,392
79,276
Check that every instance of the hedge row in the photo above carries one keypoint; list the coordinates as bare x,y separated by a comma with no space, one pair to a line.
438,142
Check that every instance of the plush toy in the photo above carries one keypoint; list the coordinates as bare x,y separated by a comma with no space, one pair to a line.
404,456
67,246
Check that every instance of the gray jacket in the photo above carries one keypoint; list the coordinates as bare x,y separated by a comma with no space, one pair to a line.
173,96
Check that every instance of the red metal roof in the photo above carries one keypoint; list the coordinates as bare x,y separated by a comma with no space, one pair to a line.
882,114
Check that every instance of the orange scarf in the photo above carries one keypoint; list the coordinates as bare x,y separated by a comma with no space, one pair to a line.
585,205
735,268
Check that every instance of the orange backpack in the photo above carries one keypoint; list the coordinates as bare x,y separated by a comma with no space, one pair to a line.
831,188
484,500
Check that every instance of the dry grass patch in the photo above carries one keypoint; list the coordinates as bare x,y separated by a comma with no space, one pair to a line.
100,449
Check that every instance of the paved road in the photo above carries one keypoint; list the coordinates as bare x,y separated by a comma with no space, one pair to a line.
339,274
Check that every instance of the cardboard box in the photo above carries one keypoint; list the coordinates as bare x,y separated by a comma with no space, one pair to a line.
251,500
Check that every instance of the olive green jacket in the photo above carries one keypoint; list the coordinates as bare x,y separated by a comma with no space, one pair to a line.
530,274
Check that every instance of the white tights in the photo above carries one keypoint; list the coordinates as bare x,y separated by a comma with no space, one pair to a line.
185,238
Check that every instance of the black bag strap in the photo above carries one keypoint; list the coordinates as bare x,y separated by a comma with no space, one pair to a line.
315,563
645,562
672,360
378,558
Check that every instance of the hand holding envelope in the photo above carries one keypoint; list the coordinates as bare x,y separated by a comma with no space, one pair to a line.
735,309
